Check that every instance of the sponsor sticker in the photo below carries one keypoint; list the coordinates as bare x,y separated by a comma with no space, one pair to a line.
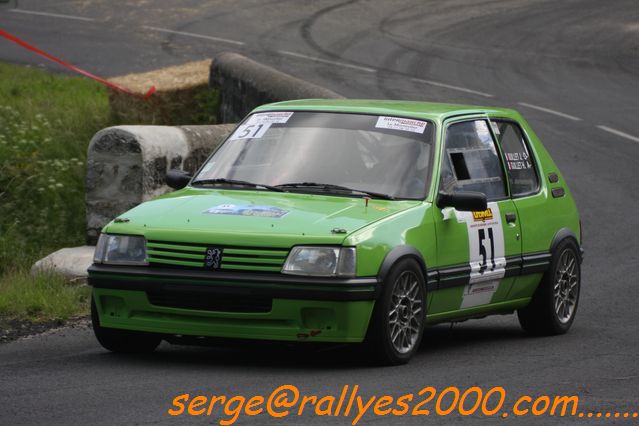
274,117
479,294
404,124
483,215
246,210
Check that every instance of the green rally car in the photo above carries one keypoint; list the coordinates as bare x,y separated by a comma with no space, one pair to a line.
346,221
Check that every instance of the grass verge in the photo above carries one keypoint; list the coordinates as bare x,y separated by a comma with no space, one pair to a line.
46,122
41,297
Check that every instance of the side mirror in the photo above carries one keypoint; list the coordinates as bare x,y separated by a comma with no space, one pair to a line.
177,179
463,201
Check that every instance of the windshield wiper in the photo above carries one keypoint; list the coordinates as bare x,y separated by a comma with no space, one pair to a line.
219,181
329,186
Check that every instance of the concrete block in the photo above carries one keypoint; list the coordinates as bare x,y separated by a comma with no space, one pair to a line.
71,262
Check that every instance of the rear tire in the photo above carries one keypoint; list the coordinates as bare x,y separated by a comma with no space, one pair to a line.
397,324
123,341
553,307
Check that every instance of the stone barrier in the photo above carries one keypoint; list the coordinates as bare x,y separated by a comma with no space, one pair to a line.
127,165
244,84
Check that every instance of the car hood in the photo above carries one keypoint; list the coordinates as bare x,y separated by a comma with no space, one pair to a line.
246,215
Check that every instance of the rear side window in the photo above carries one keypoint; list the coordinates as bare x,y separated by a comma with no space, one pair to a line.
471,161
519,163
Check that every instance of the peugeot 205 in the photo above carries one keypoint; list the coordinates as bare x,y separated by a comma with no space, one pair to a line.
347,221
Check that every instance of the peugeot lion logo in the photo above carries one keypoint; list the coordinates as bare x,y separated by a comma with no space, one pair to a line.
213,258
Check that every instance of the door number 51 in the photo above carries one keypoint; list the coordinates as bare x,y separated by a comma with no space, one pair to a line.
486,249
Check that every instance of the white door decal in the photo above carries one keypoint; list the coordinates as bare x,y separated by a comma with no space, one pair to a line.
486,254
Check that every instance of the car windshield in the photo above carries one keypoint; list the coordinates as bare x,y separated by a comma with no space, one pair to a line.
321,152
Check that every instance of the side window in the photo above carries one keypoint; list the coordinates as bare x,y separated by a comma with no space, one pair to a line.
471,161
521,170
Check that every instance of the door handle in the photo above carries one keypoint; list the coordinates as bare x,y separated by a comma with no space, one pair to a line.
511,217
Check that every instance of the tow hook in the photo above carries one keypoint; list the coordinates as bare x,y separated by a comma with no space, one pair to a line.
311,333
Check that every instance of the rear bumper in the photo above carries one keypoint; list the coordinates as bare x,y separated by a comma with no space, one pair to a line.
248,306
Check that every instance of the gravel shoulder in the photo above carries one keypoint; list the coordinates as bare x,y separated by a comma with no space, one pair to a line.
12,329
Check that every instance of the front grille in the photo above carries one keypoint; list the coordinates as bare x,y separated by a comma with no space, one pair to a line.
192,255
209,302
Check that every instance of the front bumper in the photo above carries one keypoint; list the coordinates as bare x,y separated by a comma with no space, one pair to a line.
235,305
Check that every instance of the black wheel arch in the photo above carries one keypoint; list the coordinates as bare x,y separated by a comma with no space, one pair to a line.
564,234
394,256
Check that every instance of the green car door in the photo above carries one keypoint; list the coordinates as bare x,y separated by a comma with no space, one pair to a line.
543,210
478,252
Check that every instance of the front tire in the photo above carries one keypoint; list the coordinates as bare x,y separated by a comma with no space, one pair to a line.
398,320
554,304
122,341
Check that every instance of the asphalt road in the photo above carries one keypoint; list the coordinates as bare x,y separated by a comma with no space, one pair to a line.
571,67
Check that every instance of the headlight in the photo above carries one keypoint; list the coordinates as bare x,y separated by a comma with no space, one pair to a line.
120,250
321,261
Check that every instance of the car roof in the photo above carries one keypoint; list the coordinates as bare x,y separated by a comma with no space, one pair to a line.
424,110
